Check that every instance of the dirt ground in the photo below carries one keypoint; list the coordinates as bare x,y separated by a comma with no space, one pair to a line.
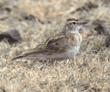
36,20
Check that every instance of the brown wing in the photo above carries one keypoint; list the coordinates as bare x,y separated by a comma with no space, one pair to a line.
57,44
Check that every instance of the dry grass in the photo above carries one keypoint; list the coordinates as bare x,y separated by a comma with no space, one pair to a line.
88,71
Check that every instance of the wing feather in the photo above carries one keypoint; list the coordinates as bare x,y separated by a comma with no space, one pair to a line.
57,43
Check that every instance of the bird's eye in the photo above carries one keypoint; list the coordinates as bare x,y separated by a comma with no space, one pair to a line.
74,22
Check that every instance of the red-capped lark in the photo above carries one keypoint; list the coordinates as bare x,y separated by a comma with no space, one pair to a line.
62,46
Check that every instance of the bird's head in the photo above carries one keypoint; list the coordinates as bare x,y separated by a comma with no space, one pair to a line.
73,25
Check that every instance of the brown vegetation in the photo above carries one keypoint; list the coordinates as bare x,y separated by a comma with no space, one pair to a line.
36,20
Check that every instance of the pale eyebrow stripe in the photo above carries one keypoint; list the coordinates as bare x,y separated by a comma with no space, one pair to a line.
71,22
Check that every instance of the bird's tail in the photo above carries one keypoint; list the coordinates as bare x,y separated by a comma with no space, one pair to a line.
31,54
20,56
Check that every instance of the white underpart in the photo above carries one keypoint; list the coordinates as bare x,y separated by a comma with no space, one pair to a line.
74,50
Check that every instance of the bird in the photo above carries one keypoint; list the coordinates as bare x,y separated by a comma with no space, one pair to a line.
62,46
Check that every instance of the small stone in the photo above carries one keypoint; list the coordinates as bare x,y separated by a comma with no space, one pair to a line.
12,36
107,41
